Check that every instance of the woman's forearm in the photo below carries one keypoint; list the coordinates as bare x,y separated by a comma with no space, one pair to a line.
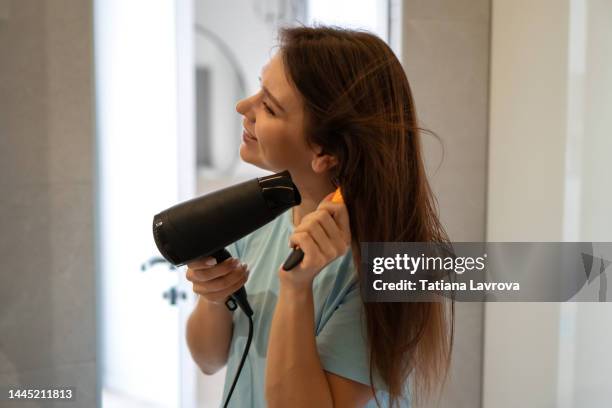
209,332
294,375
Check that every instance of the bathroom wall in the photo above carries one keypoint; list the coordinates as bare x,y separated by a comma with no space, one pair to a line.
550,100
445,51
47,279
526,201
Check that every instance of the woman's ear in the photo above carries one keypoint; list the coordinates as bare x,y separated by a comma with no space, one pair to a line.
323,162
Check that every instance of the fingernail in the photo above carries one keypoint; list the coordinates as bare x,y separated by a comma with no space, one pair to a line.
243,265
211,261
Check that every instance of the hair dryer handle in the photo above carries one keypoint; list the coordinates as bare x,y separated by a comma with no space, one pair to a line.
294,258
239,297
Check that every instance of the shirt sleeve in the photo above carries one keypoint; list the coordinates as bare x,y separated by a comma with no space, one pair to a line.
236,249
342,342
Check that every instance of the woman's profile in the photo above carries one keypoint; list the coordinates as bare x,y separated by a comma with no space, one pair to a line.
335,109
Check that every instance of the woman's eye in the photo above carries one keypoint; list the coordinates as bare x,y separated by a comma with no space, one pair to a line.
270,111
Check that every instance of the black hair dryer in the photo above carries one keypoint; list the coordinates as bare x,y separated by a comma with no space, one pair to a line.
203,226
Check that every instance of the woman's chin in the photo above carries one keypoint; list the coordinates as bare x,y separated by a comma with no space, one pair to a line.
244,153
247,156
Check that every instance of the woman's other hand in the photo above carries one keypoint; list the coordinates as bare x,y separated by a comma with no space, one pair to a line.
216,282
323,235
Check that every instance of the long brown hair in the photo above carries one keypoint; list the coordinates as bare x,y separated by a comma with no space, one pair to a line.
359,108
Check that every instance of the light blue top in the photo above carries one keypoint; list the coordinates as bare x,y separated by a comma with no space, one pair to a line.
339,321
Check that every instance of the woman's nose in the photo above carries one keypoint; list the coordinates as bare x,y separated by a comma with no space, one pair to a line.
240,106
244,108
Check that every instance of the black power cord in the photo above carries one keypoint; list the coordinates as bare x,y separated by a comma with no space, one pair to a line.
237,299
242,360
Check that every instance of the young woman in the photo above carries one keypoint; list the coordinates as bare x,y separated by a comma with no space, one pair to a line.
334,109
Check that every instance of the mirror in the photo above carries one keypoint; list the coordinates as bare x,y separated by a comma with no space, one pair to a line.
219,84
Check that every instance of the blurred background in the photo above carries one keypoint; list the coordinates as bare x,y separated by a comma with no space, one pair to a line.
112,110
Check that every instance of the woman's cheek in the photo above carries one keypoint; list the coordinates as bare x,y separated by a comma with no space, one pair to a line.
272,150
280,143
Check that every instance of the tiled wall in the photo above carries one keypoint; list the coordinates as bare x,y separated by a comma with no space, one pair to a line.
445,47
47,278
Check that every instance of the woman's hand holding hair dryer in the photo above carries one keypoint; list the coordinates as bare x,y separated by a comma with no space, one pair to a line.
216,282
209,327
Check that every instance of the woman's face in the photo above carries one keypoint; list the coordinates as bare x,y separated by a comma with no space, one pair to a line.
274,119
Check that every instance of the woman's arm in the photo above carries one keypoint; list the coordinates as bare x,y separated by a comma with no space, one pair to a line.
209,331
210,325
294,375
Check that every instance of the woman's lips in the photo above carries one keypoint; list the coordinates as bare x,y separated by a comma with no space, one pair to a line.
247,137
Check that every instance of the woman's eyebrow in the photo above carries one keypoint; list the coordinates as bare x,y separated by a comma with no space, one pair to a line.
267,92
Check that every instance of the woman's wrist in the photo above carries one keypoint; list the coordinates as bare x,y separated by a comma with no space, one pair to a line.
213,307
295,289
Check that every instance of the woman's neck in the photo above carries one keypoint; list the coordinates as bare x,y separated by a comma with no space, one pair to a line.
312,188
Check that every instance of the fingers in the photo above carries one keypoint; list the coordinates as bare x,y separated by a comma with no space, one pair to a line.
224,282
221,295
331,234
206,262
219,281
340,216
207,273
323,234
332,230
312,253
324,240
